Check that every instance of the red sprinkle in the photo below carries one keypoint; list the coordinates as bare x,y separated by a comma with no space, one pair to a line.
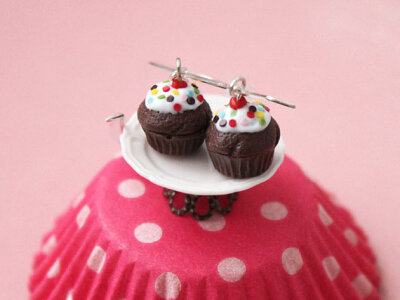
200,98
250,114
166,88
266,108
236,104
232,123
177,107
176,84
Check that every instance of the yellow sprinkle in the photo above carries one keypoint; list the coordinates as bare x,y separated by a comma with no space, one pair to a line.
155,91
175,92
217,112
260,114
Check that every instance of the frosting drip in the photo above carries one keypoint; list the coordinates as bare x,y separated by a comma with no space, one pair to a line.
242,116
172,96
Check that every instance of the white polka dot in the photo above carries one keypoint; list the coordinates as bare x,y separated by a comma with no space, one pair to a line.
97,259
49,245
292,260
82,216
69,296
274,211
168,285
78,199
215,223
362,285
231,269
131,188
351,236
331,267
148,233
324,216
54,270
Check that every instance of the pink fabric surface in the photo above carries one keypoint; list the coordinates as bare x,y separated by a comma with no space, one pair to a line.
284,239
64,66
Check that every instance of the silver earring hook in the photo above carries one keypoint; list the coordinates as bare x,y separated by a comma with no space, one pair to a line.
236,90
220,84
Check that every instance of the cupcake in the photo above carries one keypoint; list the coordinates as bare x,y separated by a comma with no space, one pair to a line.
174,117
285,239
242,138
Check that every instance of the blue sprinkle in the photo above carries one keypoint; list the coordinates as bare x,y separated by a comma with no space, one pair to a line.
221,115
150,101
261,108
190,94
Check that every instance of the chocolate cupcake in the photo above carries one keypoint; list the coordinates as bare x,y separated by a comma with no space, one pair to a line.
174,117
241,139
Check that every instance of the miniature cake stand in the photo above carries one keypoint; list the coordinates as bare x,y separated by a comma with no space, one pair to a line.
194,175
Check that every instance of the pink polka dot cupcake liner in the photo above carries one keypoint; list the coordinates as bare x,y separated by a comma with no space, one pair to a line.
284,239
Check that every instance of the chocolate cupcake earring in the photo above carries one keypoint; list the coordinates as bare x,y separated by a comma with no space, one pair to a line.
242,137
175,115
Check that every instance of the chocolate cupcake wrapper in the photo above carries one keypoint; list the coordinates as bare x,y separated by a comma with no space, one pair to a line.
242,167
175,145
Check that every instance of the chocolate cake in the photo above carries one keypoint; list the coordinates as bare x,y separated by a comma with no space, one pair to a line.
174,117
242,138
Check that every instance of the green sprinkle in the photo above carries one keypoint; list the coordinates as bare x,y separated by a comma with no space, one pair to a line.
166,81
196,91
161,97
233,112
262,122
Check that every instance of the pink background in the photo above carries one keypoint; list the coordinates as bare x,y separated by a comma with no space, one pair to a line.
65,66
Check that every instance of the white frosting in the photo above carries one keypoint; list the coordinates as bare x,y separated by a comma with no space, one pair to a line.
157,98
243,121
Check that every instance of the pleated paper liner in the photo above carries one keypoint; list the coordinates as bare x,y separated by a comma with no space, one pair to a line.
284,239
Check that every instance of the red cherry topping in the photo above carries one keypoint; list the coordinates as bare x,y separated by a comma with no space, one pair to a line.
177,107
236,104
200,98
176,84
232,123
250,114
166,88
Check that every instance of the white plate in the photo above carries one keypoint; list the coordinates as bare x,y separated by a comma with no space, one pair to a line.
193,174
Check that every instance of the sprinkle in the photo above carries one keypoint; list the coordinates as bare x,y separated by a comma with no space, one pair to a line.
217,112
260,114
195,85
250,114
221,114
252,108
154,92
166,81
170,98
233,112
262,122
190,93
244,122
232,123
215,120
222,123
153,87
175,92
190,100
161,97
150,100
177,107
261,108
166,88
200,98
196,91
